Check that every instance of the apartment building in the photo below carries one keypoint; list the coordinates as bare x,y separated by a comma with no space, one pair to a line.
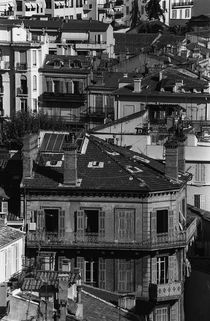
115,214
71,9
21,57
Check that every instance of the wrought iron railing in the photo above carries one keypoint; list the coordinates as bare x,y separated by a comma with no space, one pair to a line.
100,240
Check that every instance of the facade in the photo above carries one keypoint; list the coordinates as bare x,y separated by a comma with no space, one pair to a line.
64,82
21,57
119,203
29,8
71,9
12,250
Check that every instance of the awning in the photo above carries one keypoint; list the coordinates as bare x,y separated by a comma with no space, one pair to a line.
28,5
73,36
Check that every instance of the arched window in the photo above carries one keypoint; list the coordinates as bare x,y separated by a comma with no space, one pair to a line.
34,82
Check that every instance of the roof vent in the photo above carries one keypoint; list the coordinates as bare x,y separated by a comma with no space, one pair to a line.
95,164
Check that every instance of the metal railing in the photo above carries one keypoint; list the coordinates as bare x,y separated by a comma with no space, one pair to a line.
182,4
89,240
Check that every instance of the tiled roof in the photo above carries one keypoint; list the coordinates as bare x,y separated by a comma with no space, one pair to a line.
85,26
119,121
96,309
151,83
110,80
122,170
9,235
48,277
71,63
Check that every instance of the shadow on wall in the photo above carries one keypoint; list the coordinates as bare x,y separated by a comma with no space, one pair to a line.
197,291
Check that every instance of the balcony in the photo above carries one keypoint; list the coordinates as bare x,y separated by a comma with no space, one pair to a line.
22,91
168,291
21,66
1,90
182,4
63,97
97,241
91,46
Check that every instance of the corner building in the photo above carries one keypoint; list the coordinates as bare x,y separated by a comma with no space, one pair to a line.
117,215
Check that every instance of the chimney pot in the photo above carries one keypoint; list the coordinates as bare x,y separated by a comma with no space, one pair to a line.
137,85
29,150
171,159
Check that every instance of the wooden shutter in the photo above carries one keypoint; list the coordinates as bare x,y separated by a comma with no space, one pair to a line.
154,270
170,223
4,207
49,85
129,217
203,202
101,224
116,225
80,223
102,273
40,220
172,268
153,218
62,224
202,173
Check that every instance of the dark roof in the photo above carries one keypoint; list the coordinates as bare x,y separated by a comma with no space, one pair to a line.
119,121
120,170
85,26
133,43
110,80
96,309
48,277
8,235
62,63
152,84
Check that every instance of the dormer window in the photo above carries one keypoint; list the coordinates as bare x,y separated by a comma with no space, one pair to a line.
95,164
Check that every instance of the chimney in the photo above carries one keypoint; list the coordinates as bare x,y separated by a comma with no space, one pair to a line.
137,85
79,312
171,158
29,152
70,163
181,152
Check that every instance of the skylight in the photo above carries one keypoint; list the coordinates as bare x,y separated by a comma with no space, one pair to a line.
141,159
133,169
95,164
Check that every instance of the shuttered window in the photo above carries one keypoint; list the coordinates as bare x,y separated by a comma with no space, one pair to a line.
101,224
199,173
125,275
62,224
200,201
125,224
162,314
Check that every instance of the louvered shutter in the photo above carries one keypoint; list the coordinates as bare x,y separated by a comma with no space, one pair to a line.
62,86
80,224
202,173
80,87
203,202
4,207
40,220
129,216
62,224
170,223
102,273
116,225
153,217
171,268
101,224
154,270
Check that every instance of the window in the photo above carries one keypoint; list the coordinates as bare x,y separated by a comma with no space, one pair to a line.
162,269
51,220
56,86
35,105
180,15
199,173
23,105
162,221
187,13
200,201
19,5
89,270
174,14
48,4
124,224
125,275
34,57
23,84
34,82
162,314
46,261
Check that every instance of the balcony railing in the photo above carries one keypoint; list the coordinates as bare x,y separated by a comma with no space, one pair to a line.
96,240
168,291
182,4
21,66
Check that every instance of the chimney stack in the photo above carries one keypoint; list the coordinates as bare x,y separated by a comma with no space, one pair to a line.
171,158
181,152
29,152
70,163
137,85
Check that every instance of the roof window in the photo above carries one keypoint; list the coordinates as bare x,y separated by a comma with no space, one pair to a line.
96,164
141,159
133,169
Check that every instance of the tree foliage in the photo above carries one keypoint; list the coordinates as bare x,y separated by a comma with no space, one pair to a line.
27,122
154,10
135,14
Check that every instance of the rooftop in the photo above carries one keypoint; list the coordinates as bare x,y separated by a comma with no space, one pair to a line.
103,167
9,235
